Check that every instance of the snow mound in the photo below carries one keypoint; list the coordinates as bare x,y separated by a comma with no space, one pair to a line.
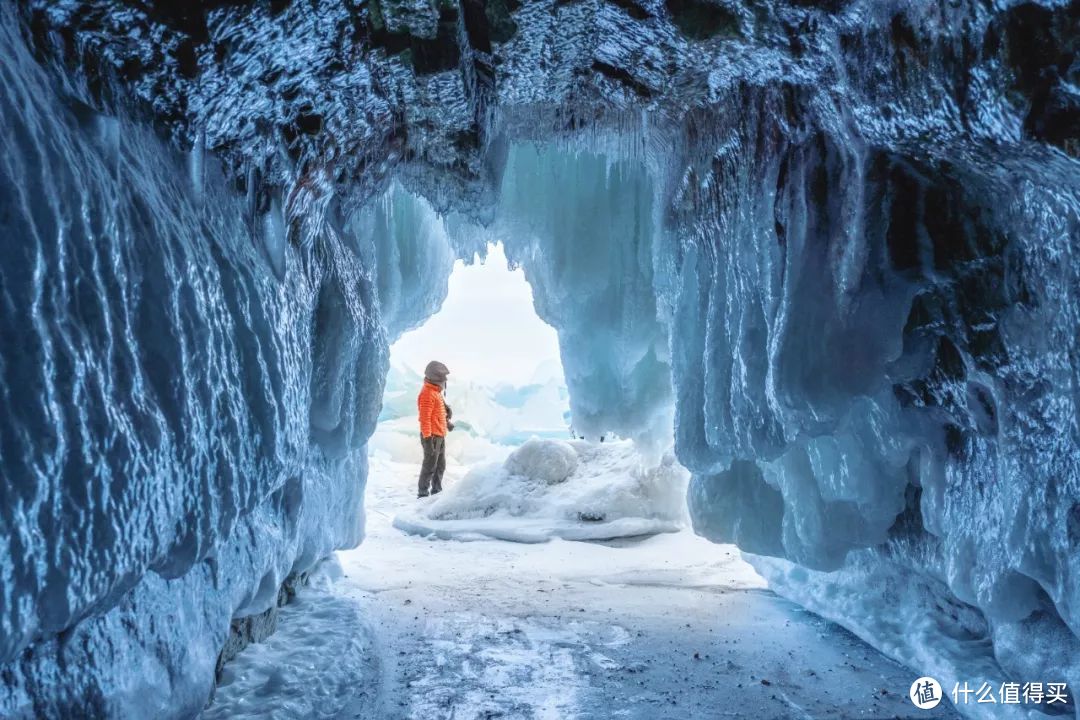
557,489
550,461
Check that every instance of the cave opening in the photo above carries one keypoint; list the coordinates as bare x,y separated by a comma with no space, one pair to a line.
547,315
557,276
558,557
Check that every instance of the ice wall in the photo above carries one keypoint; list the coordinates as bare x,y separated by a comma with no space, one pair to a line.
582,226
874,356
185,396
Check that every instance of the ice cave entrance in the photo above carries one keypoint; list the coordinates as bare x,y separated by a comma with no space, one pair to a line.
554,576
506,381
559,379
516,468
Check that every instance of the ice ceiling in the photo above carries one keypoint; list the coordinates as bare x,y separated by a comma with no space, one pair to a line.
840,235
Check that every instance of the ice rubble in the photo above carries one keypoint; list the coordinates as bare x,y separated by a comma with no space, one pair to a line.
574,490
864,223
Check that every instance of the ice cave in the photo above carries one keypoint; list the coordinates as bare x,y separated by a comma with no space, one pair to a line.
808,445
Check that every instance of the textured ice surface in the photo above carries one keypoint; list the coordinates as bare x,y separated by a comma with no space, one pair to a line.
182,427
879,369
405,241
864,230
915,619
573,490
582,227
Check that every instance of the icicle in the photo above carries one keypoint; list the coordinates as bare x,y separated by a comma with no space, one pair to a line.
196,161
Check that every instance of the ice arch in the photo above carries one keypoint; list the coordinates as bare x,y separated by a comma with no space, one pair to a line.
583,227
863,230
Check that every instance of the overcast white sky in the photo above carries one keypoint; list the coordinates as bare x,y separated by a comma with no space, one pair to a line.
486,331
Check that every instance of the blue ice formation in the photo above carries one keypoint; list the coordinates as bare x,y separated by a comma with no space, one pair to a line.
404,240
848,269
583,229
184,416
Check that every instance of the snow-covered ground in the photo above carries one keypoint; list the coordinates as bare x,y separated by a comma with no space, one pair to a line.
573,490
666,626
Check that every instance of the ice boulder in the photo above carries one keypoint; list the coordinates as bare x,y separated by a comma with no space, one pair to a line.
547,461
548,489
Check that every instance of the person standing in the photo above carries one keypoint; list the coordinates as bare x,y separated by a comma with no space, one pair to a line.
434,424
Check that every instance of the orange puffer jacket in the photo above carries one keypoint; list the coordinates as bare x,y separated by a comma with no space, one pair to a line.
432,411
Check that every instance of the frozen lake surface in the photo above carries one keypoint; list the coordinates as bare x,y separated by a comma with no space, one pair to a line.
669,626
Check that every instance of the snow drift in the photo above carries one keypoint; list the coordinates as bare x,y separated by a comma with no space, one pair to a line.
574,490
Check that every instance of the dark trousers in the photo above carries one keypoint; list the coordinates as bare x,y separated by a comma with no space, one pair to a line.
434,466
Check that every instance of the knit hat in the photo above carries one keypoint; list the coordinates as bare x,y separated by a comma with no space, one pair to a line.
436,372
